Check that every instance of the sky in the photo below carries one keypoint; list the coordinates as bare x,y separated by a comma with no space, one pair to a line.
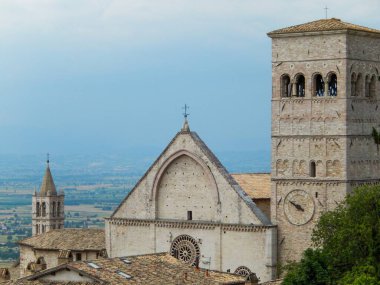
103,76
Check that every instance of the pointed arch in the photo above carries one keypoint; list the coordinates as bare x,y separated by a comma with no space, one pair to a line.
169,162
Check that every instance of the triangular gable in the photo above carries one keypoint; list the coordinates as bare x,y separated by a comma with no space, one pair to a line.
219,167
63,267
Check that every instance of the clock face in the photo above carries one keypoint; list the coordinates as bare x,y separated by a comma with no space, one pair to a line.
298,207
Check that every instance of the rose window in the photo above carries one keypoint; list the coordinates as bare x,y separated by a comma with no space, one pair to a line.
243,271
186,249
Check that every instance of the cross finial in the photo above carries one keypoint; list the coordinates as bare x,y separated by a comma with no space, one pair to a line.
185,114
47,158
326,8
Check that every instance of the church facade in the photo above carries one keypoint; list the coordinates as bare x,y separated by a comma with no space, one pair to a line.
189,205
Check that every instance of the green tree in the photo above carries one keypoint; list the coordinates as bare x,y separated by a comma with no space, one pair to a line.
311,270
360,275
350,235
376,137
347,242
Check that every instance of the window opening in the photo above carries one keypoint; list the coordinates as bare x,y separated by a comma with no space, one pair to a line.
372,86
333,85
353,84
78,256
123,274
38,209
93,265
53,209
286,86
300,85
126,261
43,209
189,215
319,86
359,85
313,169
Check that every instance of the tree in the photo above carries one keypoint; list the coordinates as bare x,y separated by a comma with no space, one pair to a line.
311,270
376,137
347,242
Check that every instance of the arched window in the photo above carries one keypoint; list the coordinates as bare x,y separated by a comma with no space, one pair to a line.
333,85
300,86
372,87
38,209
43,209
53,209
353,84
313,169
42,228
359,85
319,85
58,209
366,85
286,86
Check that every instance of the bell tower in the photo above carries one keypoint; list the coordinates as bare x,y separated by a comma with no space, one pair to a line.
325,104
47,206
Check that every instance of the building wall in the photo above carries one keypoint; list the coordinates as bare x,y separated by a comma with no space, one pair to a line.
334,132
185,179
29,254
220,246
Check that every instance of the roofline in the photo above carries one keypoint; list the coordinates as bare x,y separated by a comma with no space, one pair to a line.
146,173
317,33
58,268
57,249
222,170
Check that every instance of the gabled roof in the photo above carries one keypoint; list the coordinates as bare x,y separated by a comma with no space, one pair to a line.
68,239
159,268
332,24
48,186
215,161
256,185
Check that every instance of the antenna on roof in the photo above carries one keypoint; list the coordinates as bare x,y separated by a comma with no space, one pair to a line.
326,8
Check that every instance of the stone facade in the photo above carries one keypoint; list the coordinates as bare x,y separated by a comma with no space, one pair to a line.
325,98
188,204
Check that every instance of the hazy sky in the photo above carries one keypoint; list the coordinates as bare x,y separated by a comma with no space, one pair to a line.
104,76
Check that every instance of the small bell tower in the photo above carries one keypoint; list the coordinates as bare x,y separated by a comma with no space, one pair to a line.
47,206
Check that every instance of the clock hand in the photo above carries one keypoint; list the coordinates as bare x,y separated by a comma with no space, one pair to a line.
298,207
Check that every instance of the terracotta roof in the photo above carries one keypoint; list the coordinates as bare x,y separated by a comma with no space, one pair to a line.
332,24
256,185
48,186
147,269
68,239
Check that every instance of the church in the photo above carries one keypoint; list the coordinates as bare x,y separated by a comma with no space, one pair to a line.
325,97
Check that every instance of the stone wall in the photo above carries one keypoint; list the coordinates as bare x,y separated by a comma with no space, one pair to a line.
320,144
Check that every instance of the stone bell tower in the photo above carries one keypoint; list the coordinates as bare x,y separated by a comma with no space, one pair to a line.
325,103
47,206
